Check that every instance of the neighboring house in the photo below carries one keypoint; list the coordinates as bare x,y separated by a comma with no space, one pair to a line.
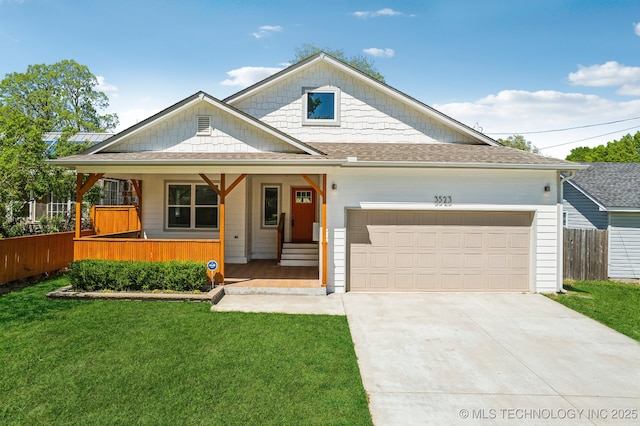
404,197
607,196
115,192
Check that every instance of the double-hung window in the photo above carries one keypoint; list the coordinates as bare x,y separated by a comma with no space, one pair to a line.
191,206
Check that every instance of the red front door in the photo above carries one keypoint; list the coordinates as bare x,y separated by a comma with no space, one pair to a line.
303,214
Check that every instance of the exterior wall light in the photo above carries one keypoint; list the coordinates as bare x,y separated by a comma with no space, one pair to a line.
547,188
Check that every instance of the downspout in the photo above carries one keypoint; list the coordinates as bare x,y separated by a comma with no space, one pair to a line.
563,177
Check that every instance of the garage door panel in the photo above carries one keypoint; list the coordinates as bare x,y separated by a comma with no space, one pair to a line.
451,240
405,260
379,260
472,282
379,281
520,241
451,282
404,239
426,240
379,238
426,260
404,281
439,251
475,261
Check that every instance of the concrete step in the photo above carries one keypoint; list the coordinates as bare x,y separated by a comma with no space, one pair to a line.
300,251
300,256
298,262
300,245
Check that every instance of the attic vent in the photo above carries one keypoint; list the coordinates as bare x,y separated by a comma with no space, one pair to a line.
204,125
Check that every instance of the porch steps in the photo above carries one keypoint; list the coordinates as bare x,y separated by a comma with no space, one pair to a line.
299,254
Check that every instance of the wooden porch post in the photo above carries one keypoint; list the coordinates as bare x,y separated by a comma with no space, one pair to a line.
78,204
222,201
222,192
323,239
324,230
82,189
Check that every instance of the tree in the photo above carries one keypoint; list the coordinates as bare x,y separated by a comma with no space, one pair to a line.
625,150
359,62
46,98
519,142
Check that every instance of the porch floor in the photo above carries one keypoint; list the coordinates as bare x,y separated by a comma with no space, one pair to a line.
267,273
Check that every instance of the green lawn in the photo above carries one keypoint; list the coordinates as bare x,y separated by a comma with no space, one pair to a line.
171,363
615,305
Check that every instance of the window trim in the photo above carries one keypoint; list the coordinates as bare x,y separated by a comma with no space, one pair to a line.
320,121
192,213
565,219
263,188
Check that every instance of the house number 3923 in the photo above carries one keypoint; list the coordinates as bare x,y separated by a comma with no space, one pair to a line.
443,200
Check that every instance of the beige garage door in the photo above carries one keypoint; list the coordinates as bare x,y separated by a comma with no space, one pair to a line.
393,251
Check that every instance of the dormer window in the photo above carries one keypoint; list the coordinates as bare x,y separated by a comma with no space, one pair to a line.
321,106
204,125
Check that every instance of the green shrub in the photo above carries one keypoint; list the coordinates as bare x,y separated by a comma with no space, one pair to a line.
94,275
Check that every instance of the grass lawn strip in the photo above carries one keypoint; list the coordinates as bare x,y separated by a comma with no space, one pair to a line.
615,305
122,362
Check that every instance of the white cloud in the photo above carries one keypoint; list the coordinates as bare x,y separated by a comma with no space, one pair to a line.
380,53
636,28
608,74
374,14
246,76
266,30
518,111
104,86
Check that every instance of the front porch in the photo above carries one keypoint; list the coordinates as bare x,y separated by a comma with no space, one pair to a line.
125,233
267,273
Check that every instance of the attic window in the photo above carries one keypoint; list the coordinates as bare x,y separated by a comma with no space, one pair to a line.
204,125
321,106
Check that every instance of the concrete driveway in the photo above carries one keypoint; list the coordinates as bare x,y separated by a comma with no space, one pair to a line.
490,359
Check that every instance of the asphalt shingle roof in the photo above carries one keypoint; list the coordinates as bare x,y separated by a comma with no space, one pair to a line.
611,184
428,154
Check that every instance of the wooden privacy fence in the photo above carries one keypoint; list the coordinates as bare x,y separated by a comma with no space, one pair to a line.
24,257
115,219
586,253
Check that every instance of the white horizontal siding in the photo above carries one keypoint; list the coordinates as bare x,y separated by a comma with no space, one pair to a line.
624,245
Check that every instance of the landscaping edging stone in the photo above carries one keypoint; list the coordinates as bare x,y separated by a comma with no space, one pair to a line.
212,296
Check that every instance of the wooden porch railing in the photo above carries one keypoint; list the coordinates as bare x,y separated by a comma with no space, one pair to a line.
114,219
150,250
280,235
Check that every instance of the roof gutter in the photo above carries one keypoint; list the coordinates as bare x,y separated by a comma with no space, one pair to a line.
74,163
352,162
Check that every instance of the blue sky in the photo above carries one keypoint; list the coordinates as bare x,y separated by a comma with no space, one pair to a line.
502,66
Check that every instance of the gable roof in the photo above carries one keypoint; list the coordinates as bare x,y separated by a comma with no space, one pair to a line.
190,101
368,80
614,186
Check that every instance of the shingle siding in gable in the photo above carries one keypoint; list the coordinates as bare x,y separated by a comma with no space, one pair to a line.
624,245
178,134
582,212
367,114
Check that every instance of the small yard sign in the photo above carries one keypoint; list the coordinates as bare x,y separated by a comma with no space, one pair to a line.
212,265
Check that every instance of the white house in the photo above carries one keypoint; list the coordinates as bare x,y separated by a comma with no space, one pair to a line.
401,196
